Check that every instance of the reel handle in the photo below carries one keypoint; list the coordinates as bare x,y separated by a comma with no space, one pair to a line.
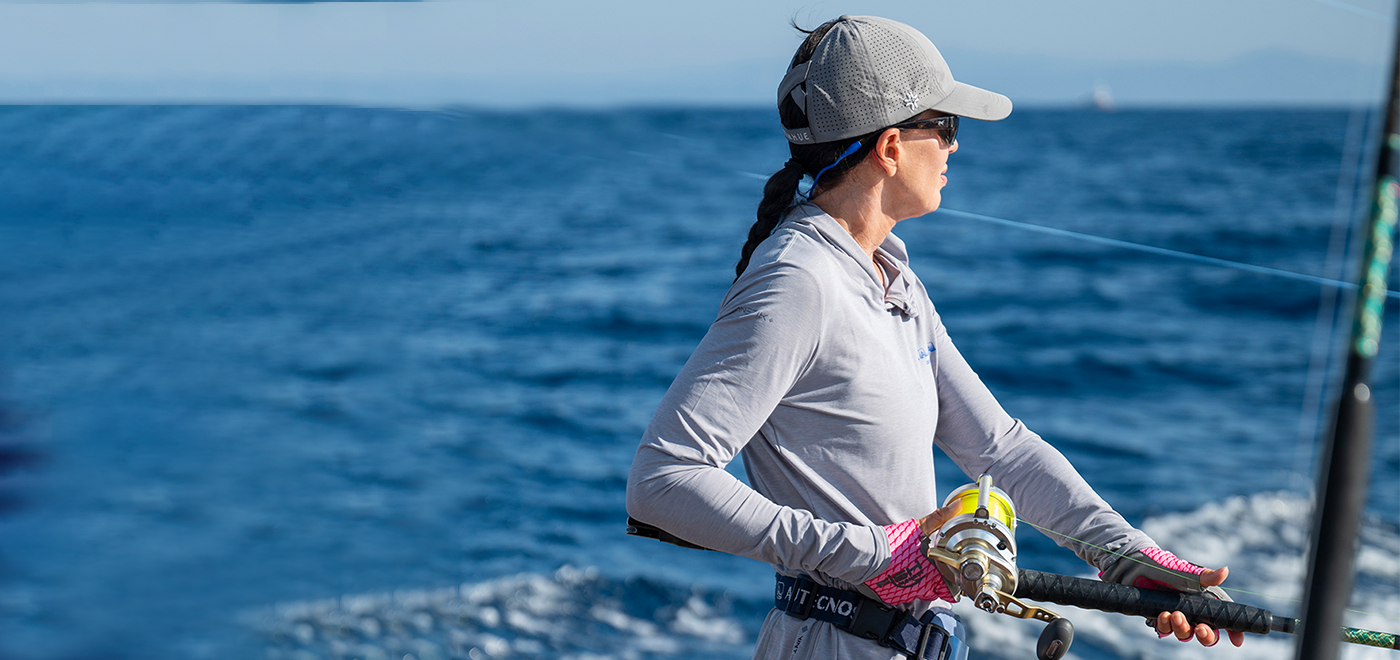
984,496
1055,640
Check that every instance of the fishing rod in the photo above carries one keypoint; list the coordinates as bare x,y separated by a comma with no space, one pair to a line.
975,552
1344,470
1134,601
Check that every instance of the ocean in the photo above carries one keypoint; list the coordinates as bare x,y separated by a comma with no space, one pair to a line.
334,382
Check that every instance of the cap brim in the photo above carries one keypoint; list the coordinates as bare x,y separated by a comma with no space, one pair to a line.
974,103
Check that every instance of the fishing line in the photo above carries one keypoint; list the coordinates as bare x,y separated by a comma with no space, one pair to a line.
1156,567
1178,254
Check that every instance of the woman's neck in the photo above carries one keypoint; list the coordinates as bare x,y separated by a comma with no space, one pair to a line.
858,210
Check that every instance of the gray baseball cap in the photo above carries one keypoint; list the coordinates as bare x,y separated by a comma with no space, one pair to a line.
868,73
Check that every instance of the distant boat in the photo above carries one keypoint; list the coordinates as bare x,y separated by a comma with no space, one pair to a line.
1102,100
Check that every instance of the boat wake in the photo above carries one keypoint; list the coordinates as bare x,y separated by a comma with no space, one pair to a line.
580,614
571,615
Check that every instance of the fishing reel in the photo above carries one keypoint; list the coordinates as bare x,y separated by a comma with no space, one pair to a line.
976,554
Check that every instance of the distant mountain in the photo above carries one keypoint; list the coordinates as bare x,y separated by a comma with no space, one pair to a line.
1260,78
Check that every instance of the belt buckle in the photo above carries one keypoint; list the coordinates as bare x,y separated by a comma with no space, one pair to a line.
873,620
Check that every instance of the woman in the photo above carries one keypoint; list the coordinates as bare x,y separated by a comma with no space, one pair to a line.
830,370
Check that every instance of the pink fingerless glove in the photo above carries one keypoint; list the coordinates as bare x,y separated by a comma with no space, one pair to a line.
910,576
1155,568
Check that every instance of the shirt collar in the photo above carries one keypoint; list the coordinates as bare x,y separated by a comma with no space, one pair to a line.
898,294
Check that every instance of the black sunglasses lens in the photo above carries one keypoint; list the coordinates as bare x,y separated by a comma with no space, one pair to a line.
947,127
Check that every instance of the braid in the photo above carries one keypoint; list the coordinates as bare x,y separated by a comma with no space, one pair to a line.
781,189
777,197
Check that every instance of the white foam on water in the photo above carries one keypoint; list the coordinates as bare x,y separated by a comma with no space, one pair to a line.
578,615
1263,539
571,615
698,619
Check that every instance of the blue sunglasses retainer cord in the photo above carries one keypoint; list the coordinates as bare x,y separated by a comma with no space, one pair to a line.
855,146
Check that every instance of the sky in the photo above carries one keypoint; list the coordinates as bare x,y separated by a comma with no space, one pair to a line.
528,53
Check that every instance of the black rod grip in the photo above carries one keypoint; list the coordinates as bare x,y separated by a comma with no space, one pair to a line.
1135,601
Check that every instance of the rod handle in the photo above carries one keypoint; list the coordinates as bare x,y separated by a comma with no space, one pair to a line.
1135,601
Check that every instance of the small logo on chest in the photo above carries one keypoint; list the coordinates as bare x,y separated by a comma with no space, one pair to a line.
926,352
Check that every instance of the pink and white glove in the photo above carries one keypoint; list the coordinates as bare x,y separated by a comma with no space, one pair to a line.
1155,568
910,576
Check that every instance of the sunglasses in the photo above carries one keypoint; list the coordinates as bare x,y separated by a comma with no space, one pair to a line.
946,126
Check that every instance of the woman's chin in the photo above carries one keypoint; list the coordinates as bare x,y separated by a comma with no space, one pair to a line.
933,206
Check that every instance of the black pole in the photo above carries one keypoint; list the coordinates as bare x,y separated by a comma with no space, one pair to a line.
1344,471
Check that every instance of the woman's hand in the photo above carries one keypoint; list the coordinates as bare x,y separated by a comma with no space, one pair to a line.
1155,568
1175,623
929,524
910,576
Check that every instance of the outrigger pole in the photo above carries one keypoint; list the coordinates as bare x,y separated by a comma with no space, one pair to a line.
1344,470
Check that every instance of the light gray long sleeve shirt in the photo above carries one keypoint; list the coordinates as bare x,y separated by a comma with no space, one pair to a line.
833,387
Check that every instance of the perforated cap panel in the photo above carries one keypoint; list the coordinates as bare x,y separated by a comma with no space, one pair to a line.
870,72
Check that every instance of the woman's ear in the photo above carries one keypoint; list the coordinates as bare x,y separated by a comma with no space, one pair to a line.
887,152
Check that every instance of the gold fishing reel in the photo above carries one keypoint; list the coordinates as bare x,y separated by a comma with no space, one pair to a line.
975,552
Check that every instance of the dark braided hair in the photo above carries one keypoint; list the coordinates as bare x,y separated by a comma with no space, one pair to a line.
781,188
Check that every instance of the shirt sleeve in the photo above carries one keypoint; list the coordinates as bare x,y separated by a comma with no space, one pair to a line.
1047,491
766,335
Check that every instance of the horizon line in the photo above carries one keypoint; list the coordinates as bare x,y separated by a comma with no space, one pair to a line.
1034,105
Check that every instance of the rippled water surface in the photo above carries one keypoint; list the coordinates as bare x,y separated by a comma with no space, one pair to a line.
336,382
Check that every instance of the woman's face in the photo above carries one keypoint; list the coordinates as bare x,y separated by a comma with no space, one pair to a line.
923,170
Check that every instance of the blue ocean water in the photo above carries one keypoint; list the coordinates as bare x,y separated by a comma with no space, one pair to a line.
341,382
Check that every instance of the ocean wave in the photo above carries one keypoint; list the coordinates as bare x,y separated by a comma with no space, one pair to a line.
574,614
579,613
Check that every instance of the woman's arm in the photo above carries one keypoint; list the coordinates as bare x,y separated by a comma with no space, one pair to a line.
1048,492
767,334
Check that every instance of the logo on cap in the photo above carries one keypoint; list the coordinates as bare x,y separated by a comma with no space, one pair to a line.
798,134
911,100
